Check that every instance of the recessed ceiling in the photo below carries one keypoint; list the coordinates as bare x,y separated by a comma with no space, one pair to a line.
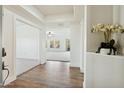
55,9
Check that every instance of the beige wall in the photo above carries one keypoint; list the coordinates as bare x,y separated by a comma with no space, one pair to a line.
121,20
118,18
97,14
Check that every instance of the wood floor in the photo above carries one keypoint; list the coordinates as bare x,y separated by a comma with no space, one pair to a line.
53,74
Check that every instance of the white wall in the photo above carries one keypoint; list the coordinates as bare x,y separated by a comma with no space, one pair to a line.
82,37
27,47
23,65
104,71
27,41
75,45
82,46
42,43
85,28
97,14
58,56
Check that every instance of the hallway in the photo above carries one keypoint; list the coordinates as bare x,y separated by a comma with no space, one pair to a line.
50,75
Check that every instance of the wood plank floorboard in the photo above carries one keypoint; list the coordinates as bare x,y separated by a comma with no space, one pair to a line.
53,74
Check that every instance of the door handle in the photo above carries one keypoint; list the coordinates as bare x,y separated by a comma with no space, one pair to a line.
3,52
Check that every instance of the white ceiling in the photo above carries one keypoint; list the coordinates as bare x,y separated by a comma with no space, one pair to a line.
55,9
60,15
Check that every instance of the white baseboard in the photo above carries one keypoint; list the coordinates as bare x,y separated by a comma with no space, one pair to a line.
42,62
10,79
84,86
72,65
81,70
28,59
0,85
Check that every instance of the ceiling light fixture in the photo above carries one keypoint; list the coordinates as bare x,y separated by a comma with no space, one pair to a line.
50,34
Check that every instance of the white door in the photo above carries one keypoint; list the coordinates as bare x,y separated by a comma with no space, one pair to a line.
8,41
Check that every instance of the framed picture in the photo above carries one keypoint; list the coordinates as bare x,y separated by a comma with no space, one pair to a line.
54,44
57,44
67,44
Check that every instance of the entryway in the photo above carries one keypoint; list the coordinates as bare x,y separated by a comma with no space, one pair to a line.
58,37
28,50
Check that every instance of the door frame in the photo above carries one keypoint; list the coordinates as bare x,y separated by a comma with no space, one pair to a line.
14,18
1,12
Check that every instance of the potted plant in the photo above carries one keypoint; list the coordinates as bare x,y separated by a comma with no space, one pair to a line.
107,29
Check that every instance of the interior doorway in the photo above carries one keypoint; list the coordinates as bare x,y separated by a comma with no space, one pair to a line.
28,35
58,44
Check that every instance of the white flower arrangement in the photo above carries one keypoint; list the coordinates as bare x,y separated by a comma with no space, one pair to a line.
107,29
